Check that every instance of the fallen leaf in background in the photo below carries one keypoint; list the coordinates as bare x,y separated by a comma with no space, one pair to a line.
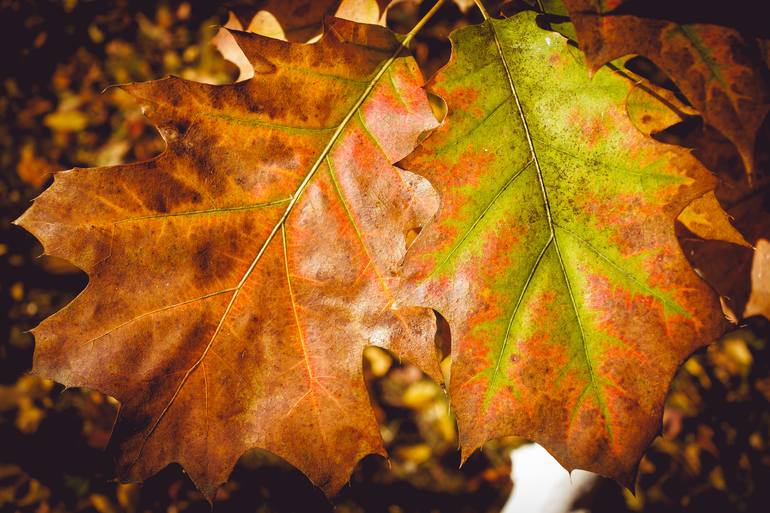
465,5
363,11
265,22
759,300
31,168
225,42
300,20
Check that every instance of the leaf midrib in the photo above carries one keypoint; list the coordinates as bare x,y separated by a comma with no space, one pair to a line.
278,226
551,240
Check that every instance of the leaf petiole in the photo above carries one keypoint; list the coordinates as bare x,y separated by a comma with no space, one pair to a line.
420,24
483,9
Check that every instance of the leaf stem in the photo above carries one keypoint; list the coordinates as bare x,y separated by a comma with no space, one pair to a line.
420,24
485,13
483,9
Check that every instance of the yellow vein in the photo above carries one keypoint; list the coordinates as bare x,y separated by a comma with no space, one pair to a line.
586,353
303,70
236,372
456,141
674,306
371,136
613,167
480,217
296,403
519,301
206,211
397,93
157,310
338,191
294,306
248,121
363,243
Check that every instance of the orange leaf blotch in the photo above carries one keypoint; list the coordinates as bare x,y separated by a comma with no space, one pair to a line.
592,130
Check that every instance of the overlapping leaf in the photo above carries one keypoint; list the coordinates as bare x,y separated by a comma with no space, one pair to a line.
726,267
553,254
301,20
235,279
714,66
653,109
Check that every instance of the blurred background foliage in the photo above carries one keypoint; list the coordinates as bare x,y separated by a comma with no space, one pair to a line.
59,112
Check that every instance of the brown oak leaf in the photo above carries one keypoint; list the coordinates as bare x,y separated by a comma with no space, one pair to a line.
235,279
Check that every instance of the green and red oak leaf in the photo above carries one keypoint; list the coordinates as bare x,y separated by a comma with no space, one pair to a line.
235,279
553,254
714,66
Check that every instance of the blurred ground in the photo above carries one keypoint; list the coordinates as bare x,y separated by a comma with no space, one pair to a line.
59,57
